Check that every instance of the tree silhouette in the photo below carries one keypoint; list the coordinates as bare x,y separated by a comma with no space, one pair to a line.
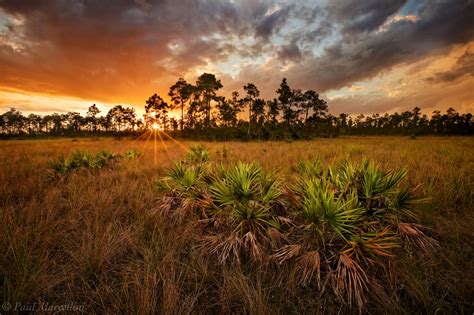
312,102
207,85
273,111
180,93
155,110
91,114
285,97
293,115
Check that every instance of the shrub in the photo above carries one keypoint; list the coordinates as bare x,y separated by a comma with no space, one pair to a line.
198,154
82,160
336,227
131,154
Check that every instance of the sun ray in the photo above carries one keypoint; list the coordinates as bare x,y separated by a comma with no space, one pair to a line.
137,138
155,148
176,141
146,141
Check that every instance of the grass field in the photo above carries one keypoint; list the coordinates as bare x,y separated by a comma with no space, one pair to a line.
92,238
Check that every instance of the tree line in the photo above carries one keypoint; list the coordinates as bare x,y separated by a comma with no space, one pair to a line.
204,114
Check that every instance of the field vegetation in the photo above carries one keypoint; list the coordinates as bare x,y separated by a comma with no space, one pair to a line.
361,224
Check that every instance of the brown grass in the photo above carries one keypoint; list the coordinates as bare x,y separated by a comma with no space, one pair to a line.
93,238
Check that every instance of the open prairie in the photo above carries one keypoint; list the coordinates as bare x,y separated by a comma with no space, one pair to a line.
94,237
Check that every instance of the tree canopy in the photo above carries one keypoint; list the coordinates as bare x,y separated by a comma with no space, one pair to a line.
203,113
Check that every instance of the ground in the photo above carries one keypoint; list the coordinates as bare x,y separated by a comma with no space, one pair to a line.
89,238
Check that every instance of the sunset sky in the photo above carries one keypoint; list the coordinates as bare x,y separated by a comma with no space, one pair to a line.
362,56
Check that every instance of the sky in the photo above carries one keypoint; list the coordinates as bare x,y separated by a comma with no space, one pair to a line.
362,56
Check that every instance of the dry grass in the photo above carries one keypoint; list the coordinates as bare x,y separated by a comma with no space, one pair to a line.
93,237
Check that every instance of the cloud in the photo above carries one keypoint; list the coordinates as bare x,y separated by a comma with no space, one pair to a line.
362,16
464,68
122,51
271,23
360,56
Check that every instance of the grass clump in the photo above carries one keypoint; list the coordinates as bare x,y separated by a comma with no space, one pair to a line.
82,160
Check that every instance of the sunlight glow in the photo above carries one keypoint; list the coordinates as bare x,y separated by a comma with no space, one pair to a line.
155,126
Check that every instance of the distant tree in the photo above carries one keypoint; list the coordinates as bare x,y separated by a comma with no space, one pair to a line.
312,103
73,120
34,123
116,117
129,118
180,93
258,111
285,97
91,119
13,121
273,111
304,115
252,93
174,124
207,85
228,110
155,109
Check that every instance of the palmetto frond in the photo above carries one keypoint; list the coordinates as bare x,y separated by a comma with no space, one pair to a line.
374,245
198,154
183,179
333,224
322,210
375,182
404,200
350,281
311,168
239,185
245,196
415,239
82,160
309,268
131,154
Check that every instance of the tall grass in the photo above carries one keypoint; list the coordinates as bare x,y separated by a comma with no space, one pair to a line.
100,239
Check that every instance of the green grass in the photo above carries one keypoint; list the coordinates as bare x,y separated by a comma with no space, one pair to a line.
98,237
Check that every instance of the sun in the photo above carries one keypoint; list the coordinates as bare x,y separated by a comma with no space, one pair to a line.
155,126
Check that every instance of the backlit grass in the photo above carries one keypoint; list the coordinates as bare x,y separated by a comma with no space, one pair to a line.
96,237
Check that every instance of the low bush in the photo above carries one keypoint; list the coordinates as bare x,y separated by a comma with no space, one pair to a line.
335,230
83,160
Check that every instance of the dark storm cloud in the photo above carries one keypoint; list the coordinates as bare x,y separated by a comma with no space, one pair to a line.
289,52
359,56
359,16
271,23
124,49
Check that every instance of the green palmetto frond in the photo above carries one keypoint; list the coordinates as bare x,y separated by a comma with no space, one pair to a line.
311,168
244,183
343,177
102,158
404,200
375,182
131,154
183,179
198,154
60,166
82,160
322,210
244,195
